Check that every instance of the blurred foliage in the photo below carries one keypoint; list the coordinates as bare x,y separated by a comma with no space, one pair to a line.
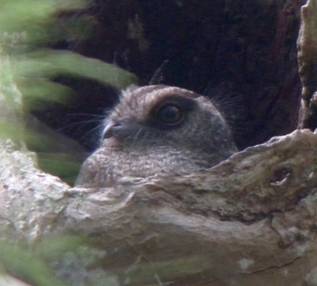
27,27
28,22
60,164
19,262
75,260
68,257
28,69
29,66
33,69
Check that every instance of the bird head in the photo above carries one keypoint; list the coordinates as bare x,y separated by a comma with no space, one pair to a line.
158,115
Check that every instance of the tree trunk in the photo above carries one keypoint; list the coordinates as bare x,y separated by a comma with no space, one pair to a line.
251,220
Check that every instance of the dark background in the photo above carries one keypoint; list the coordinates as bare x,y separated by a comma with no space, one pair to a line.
241,53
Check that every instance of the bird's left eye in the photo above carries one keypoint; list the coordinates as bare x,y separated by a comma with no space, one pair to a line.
170,114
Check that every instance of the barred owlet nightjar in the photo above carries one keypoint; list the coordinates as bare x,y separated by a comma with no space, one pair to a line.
158,130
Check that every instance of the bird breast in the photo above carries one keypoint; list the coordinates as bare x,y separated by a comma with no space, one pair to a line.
107,166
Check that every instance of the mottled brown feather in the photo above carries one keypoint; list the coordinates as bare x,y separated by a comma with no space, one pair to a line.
202,140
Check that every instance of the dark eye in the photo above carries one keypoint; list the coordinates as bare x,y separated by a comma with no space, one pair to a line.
170,114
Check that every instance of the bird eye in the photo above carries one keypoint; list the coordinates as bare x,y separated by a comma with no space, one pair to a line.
170,114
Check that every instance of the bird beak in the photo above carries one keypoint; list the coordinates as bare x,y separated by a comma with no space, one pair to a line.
120,130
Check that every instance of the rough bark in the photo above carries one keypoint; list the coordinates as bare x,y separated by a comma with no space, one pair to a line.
249,221
307,61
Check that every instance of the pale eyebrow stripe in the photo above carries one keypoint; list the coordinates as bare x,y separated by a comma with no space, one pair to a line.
160,91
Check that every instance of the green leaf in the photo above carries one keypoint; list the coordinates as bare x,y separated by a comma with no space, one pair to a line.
50,63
